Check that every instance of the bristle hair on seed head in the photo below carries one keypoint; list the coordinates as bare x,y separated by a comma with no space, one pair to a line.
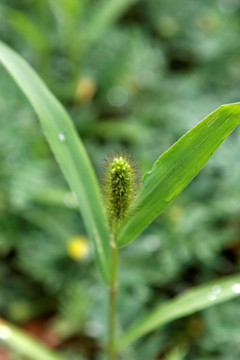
120,184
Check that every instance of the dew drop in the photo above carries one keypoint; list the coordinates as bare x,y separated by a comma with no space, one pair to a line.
236,288
216,289
5,332
211,296
61,137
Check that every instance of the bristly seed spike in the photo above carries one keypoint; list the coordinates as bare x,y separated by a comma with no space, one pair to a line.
120,185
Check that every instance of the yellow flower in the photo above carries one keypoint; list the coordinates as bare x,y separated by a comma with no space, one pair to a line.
78,247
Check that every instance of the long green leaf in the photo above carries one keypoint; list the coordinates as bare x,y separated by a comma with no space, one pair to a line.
24,344
193,300
69,151
176,168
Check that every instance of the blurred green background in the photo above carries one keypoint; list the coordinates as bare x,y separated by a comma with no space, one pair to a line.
135,75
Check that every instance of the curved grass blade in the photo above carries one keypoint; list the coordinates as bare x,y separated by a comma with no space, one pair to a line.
200,298
69,152
176,168
24,344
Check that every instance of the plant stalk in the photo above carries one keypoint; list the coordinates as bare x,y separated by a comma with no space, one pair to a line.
111,352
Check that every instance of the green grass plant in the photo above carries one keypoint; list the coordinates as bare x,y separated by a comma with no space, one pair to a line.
170,174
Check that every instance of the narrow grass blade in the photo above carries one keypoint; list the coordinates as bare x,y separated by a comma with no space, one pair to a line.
197,299
69,152
106,13
177,167
24,344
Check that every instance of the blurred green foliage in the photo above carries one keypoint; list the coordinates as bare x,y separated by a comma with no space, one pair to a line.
132,74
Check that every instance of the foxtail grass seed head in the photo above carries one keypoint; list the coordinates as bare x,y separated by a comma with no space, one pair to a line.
120,185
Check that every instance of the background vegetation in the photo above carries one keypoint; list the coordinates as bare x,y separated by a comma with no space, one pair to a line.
132,74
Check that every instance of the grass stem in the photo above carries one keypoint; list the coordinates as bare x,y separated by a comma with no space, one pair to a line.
112,355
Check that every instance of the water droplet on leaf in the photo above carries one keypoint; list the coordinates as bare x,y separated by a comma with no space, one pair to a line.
211,296
236,288
5,332
216,289
61,137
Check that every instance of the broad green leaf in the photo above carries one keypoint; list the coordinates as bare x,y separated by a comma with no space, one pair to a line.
69,152
176,168
24,344
202,297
